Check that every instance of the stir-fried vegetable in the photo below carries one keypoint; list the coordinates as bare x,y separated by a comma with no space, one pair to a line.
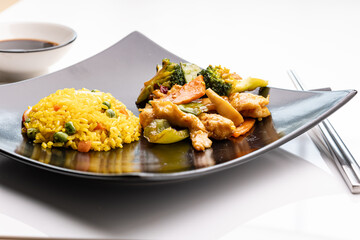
217,78
194,108
177,94
248,84
214,81
244,127
190,71
221,81
224,108
170,73
160,131
189,92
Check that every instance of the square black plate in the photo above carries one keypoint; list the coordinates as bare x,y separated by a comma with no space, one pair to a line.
121,70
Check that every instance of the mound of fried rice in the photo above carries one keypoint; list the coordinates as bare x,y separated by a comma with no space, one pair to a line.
85,109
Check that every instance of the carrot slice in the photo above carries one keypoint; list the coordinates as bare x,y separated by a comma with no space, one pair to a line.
123,111
99,126
84,146
57,107
244,127
189,91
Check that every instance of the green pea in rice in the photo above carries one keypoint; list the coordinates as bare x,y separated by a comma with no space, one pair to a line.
85,110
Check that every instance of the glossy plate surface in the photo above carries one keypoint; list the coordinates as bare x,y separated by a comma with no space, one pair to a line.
121,70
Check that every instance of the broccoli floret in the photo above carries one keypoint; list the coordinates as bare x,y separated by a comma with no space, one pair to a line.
214,81
177,77
168,75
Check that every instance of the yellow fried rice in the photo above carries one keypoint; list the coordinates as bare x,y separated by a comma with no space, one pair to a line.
88,114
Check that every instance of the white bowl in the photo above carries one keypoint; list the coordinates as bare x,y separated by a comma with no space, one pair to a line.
20,64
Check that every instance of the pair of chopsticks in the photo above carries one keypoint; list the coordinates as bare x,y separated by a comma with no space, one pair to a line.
344,160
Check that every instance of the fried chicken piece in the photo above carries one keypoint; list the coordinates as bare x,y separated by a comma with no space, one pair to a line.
147,115
169,111
200,139
247,101
256,113
250,105
217,126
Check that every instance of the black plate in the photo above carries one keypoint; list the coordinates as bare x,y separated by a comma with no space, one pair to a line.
122,70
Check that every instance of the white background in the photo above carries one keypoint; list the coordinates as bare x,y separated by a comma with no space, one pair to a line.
282,197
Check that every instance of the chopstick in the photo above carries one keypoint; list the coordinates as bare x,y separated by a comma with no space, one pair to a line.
344,160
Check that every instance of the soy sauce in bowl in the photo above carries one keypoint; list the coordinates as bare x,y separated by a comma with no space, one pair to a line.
25,44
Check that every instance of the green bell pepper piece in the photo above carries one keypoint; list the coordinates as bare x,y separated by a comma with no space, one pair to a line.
160,131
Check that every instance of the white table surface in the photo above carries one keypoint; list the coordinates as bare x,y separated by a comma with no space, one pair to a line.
293,192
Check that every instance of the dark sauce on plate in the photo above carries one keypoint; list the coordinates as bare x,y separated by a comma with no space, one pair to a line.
25,44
